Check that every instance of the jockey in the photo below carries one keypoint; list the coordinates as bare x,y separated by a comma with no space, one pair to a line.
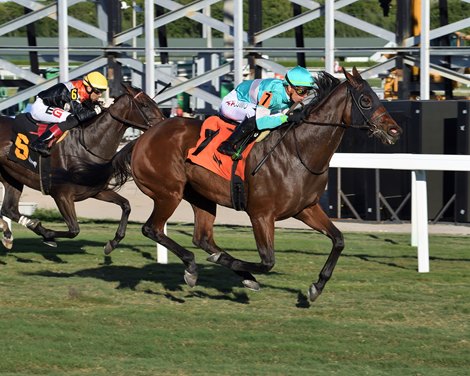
267,100
67,104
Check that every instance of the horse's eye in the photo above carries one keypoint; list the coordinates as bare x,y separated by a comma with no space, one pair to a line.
365,101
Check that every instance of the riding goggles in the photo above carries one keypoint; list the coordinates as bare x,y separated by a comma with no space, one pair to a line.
301,90
94,89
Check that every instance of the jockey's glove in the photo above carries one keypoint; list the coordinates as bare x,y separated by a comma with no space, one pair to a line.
97,109
295,116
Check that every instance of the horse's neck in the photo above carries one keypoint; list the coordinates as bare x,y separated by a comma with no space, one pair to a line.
104,135
320,142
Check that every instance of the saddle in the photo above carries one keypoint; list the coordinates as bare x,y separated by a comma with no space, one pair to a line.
214,131
26,130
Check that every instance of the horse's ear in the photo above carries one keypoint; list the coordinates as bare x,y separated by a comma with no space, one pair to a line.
125,86
356,73
348,76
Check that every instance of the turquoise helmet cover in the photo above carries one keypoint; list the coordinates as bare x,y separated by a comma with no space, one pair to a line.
299,76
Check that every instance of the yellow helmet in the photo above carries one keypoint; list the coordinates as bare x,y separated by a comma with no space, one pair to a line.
96,80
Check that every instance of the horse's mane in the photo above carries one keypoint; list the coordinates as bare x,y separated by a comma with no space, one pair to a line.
325,84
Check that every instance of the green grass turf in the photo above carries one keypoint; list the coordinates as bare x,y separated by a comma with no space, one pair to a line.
72,311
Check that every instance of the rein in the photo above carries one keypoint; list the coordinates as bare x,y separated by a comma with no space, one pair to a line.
302,161
369,123
81,138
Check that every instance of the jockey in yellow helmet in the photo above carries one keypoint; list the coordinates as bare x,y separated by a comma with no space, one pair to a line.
67,104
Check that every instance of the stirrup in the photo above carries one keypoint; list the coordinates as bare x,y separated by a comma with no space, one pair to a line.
226,148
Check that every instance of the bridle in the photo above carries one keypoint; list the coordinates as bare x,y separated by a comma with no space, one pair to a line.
369,121
361,107
129,122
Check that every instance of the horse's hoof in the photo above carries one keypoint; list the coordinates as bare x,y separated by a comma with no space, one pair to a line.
50,243
7,243
108,248
190,279
214,257
250,284
313,293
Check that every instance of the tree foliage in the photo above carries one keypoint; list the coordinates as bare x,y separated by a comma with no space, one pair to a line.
367,10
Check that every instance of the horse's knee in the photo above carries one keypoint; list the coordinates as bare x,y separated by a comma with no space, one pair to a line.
126,208
338,242
147,231
150,233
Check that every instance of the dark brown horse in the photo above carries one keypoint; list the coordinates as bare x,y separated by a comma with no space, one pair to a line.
288,184
80,166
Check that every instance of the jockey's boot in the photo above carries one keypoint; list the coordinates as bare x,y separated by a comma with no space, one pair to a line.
41,145
242,131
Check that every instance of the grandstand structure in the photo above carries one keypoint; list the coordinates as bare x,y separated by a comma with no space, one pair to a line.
116,48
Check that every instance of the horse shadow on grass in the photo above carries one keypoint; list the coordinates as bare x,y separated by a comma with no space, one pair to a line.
226,283
24,247
170,276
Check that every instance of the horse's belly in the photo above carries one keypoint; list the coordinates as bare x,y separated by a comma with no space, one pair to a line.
208,184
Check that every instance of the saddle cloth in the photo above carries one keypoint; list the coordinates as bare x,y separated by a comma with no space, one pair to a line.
25,131
213,132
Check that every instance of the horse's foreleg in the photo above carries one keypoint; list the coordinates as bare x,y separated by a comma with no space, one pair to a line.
315,217
113,197
154,229
203,237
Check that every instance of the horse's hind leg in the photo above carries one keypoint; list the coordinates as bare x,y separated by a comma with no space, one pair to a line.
315,217
7,239
113,197
203,237
11,198
154,229
66,207
263,229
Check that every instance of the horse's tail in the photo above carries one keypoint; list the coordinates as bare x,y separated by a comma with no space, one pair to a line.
121,164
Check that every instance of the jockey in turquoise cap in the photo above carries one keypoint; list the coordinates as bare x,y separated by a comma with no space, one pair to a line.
266,100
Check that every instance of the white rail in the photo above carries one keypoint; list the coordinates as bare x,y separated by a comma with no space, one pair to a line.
418,164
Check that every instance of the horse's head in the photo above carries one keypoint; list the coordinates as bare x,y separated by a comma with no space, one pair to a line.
367,110
136,109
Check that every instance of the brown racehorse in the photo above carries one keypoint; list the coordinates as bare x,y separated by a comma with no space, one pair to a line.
80,166
288,184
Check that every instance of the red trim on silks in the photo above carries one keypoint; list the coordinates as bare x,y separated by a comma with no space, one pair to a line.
41,129
56,131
